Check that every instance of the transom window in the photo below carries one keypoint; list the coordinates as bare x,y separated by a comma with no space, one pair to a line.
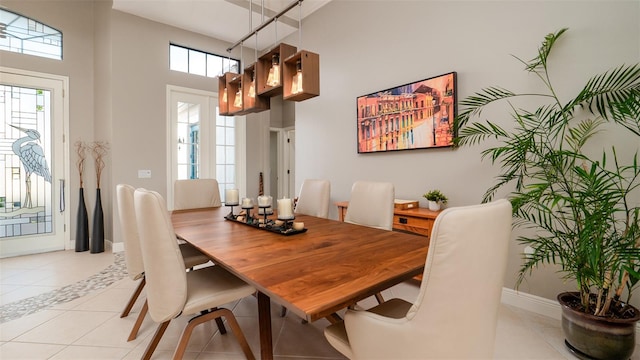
201,63
24,35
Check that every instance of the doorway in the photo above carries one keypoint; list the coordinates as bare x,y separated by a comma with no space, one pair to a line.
282,162
191,136
33,163
201,143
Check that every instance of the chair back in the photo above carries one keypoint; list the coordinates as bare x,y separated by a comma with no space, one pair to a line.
456,312
371,204
469,247
314,198
130,239
196,193
163,262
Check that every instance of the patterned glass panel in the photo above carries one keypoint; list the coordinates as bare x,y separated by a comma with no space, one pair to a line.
25,151
24,35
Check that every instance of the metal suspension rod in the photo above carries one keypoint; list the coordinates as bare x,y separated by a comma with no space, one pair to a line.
264,24
300,24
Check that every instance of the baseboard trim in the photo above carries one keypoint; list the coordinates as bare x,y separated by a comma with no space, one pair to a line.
539,305
117,247
533,303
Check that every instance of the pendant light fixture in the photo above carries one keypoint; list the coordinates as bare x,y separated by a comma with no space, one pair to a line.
234,90
252,102
269,67
301,71
279,71
274,73
223,93
269,70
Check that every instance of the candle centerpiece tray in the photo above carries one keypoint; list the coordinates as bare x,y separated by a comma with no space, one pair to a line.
286,228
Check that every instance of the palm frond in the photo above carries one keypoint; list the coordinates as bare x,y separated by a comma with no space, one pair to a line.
539,63
613,95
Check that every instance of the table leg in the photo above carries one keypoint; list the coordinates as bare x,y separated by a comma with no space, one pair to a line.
264,320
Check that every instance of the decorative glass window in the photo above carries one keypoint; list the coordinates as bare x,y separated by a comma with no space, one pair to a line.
25,178
199,62
27,36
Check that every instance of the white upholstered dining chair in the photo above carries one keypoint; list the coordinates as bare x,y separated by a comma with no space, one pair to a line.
133,255
456,311
196,193
313,198
171,291
371,204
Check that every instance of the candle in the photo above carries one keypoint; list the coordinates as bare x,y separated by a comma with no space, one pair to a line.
247,203
231,196
264,201
285,209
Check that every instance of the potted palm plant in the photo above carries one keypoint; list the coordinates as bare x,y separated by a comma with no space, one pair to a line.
435,198
576,199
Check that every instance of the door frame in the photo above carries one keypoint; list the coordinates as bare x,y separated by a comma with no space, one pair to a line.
208,170
284,152
207,128
64,173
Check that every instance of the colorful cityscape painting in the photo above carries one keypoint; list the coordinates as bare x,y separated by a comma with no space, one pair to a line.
417,115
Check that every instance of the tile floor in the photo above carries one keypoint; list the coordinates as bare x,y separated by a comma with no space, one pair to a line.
66,305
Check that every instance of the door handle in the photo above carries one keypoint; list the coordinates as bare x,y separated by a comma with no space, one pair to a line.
62,195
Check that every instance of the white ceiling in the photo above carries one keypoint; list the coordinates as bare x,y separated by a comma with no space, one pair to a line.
226,20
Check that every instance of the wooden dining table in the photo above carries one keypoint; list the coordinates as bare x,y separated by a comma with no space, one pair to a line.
315,273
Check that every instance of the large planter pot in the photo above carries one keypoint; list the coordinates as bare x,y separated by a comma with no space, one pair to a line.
594,337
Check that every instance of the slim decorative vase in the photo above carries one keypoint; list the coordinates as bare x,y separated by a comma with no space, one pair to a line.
97,236
82,225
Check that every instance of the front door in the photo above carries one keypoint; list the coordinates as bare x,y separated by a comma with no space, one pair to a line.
33,213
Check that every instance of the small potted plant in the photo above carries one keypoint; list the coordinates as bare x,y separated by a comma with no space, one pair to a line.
436,198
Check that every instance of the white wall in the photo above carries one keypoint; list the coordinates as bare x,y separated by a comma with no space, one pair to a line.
364,46
374,45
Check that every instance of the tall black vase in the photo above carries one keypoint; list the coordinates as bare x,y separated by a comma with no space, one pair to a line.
82,225
97,236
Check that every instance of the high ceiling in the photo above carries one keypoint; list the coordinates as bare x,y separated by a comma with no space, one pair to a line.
225,19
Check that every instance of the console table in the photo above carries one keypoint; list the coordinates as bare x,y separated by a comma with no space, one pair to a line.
417,221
